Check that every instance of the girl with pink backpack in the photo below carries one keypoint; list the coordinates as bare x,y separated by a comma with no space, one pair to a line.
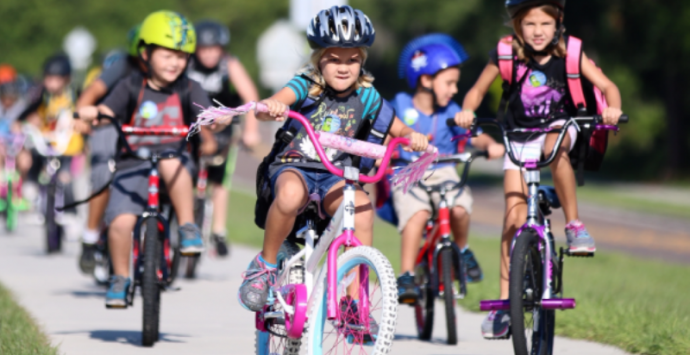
542,88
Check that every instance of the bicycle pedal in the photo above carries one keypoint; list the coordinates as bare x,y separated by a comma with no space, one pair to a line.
580,254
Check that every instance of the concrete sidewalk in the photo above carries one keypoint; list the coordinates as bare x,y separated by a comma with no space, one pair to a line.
202,318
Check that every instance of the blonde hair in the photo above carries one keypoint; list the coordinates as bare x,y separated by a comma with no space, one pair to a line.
558,50
312,70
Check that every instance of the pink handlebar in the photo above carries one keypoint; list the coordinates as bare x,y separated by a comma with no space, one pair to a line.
339,172
348,145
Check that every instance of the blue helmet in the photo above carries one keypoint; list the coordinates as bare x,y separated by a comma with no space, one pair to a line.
429,55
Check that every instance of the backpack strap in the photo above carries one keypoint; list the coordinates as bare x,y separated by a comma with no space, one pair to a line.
505,58
573,71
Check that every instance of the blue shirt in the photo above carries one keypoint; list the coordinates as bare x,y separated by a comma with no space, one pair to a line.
434,127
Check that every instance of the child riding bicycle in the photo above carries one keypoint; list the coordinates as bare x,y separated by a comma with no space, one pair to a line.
539,97
344,101
431,65
102,146
221,75
164,97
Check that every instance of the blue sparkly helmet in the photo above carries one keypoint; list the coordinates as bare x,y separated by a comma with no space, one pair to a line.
428,55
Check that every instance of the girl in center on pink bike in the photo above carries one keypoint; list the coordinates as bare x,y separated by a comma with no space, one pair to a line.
343,101
538,98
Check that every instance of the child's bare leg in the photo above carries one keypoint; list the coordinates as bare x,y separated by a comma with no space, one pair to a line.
460,225
563,176
120,242
220,202
411,238
178,182
24,162
290,196
515,191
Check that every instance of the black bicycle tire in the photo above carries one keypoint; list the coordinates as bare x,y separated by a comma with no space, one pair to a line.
150,289
525,241
446,256
424,308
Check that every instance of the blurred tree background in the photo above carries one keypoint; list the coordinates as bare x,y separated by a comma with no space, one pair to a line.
639,44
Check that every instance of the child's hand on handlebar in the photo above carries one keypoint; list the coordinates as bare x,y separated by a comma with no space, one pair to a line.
611,115
418,142
464,118
88,113
276,111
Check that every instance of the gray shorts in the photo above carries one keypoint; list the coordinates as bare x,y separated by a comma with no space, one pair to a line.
129,190
103,145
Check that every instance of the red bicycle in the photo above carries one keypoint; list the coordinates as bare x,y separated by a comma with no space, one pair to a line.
154,259
439,262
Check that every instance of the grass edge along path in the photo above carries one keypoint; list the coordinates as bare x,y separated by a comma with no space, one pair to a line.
19,334
638,305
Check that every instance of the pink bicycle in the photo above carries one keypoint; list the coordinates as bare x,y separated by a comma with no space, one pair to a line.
349,304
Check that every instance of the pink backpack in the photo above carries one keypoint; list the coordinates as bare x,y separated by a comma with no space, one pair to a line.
590,148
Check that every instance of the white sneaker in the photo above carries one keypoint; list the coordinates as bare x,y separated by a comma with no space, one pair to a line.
496,325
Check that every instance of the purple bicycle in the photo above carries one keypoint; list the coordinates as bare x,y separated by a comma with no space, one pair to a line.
536,270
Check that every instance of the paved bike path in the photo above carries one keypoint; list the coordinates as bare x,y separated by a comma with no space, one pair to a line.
202,318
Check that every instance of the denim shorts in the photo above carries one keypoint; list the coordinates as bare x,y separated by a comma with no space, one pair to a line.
318,181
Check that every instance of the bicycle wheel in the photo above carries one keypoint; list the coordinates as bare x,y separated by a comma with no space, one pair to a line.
446,256
424,309
53,230
353,332
532,327
275,340
150,289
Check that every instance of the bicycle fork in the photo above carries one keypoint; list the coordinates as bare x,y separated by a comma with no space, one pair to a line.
447,243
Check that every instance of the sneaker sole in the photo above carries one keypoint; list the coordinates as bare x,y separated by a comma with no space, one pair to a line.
191,251
116,304
505,336
581,251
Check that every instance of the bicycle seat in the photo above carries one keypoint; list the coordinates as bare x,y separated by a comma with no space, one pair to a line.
548,194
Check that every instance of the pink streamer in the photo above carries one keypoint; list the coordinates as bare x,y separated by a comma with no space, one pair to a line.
413,172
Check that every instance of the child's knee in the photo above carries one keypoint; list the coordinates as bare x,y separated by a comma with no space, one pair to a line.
290,197
122,225
459,212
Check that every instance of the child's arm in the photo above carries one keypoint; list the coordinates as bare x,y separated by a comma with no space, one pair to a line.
247,90
607,87
475,95
418,141
486,142
277,104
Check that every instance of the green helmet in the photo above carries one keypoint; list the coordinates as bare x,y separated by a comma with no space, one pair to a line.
133,41
168,29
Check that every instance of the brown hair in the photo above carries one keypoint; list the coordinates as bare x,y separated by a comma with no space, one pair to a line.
558,50
312,70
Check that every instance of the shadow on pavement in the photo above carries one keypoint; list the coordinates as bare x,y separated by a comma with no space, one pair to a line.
132,337
405,337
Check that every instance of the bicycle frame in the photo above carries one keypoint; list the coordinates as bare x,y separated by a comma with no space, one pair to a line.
339,233
535,219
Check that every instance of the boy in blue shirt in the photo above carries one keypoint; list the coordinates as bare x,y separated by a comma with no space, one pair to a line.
431,65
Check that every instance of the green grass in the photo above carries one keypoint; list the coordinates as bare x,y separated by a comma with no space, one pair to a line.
599,193
638,305
18,333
